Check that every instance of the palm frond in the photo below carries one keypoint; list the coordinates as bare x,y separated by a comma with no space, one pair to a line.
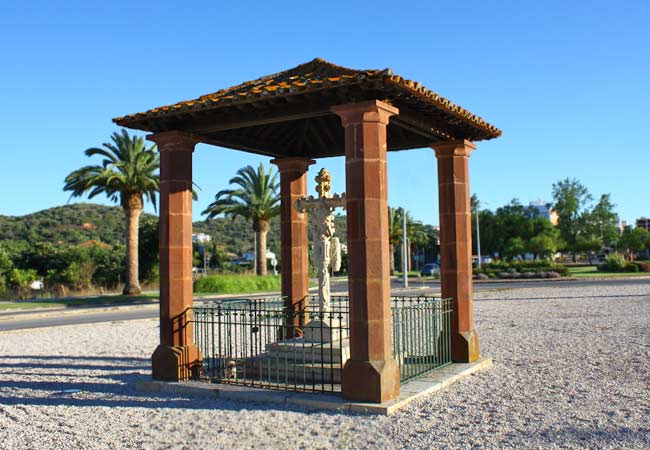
127,166
255,197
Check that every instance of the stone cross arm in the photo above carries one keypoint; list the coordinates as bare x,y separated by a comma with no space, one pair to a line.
335,201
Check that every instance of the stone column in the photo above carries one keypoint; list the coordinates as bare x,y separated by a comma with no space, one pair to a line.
456,245
294,242
371,374
177,357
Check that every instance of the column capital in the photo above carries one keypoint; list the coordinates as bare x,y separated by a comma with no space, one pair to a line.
174,140
374,111
460,147
293,164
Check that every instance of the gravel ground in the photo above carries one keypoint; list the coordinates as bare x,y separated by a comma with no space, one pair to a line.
571,371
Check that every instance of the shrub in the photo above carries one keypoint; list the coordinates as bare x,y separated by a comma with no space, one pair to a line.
521,269
644,266
236,284
615,262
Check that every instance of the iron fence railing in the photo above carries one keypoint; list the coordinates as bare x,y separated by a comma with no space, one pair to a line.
421,334
258,342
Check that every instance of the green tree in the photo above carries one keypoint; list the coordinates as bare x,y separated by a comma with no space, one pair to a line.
416,233
256,199
514,247
20,279
633,240
394,234
6,265
542,245
571,200
126,175
589,244
148,241
603,221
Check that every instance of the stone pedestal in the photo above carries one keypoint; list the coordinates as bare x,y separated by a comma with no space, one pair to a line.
371,374
326,330
456,245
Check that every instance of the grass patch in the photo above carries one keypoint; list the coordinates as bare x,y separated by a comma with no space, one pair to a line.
236,284
26,305
592,271
79,301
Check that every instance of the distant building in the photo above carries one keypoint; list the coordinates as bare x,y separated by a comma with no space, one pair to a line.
545,210
201,238
623,225
250,256
643,222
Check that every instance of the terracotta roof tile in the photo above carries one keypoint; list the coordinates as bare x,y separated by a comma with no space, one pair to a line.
314,75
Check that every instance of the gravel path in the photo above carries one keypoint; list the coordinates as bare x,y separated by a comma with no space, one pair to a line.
571,370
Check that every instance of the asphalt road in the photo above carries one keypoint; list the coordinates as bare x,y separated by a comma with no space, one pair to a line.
53,319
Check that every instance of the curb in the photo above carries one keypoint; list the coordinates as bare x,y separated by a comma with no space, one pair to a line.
410,391
73,310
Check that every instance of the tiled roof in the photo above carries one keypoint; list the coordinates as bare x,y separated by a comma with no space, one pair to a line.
315,75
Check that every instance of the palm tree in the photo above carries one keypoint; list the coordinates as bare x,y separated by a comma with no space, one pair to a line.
394,234
415,233
256,199
126,175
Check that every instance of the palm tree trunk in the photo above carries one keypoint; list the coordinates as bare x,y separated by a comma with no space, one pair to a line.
261,228
132,210
391,251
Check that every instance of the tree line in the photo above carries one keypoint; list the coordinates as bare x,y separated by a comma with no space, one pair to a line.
583,227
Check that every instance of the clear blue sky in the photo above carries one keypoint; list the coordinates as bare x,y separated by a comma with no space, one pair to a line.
567,82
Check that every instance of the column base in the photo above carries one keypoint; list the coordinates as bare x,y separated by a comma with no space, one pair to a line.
464,346
370,381
176,363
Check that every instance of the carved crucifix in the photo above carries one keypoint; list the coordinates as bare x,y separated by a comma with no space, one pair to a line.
327,248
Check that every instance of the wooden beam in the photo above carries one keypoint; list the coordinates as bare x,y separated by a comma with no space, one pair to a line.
237,144
423,127
250,119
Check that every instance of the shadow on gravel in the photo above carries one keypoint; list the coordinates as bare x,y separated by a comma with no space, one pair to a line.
572,436
82,358
128,363
118,389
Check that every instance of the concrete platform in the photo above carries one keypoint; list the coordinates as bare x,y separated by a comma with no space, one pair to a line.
410,391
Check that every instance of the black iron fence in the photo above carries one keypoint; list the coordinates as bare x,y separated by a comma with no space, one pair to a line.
257,342
421,334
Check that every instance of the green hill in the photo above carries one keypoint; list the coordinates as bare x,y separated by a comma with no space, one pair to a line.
80,222
68,224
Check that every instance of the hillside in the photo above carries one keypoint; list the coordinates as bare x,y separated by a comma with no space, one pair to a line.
69,224
80,222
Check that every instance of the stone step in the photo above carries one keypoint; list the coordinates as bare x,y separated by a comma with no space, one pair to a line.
299,350
279,370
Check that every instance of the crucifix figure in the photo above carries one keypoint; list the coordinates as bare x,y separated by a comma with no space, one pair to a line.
327,248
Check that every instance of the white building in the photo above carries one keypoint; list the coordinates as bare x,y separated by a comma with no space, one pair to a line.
250,256
201,238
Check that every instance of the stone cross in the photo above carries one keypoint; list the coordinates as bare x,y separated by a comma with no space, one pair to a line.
327,249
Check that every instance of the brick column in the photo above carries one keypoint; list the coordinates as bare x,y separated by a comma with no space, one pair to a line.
371,374
293,236
456,245
177,357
